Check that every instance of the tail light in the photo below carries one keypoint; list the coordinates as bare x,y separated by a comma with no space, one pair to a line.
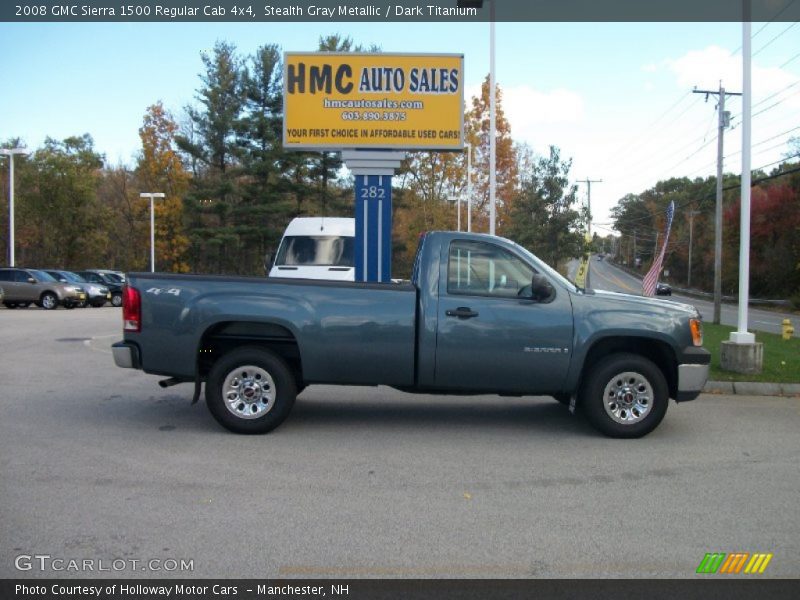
131,309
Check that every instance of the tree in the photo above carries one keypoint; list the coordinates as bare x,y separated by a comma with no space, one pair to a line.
477,134
61,221
160,169
212,149
543,217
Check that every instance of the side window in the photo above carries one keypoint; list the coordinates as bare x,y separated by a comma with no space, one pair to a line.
6,275
483,269
21,276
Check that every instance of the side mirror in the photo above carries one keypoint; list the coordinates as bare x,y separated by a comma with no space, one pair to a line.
269,258
31,280
541,289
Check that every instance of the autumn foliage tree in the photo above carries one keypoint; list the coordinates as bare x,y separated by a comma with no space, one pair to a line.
160,169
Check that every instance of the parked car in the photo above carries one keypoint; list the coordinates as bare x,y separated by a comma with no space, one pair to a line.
25,286
2,294
96,294
481,315
662,289
117,276
113,284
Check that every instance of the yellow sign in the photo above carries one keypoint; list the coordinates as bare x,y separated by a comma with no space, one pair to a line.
376,101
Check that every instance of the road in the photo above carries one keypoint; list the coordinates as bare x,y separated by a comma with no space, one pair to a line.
99,463
605,276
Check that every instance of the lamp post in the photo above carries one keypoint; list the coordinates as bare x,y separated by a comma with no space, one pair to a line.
10,152
469,187
492,112
152,196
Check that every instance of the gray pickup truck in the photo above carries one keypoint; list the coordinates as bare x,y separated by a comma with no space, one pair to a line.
481,315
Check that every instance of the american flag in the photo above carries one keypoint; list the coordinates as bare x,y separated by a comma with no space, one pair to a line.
651,279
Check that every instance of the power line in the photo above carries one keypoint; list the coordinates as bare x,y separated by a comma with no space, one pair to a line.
775,38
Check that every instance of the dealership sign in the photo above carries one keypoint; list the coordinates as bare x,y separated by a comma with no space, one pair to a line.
378,101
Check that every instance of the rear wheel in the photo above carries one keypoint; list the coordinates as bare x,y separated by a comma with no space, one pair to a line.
250,390
625,396
48,301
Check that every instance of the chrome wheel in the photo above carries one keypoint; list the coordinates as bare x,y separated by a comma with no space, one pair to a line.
248,392
628,397
49,302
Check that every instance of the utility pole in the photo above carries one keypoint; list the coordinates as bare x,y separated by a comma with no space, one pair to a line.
589,183
634,249
724,121
692,214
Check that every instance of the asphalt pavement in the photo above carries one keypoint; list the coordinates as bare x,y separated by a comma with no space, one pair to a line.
99,463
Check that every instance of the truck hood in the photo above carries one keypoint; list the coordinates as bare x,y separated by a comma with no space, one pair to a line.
640,302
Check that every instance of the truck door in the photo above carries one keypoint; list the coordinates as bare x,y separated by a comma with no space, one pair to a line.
492,334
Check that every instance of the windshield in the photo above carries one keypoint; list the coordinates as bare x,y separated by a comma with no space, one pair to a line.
67,276
73,277
42,276
113,277
317,250
548,269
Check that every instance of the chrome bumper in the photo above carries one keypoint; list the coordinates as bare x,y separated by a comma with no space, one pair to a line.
125,355
691,380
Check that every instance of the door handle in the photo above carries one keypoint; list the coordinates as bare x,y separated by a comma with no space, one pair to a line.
462,312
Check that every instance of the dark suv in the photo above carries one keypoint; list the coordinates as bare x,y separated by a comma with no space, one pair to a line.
113,285
25,286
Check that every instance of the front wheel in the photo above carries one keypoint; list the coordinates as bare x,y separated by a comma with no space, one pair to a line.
250,390
625,396
116,300
48,301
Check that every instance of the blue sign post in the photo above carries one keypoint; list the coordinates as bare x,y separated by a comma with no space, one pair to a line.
373,243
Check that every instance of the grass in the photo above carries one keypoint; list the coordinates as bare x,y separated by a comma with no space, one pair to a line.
781,357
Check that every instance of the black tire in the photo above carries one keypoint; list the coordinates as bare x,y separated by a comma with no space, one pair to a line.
637,384
11,305
253,362
98,304
48,301
116,300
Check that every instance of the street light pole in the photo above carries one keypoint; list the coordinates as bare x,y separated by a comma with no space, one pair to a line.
492,128
10,152
152,196
469,187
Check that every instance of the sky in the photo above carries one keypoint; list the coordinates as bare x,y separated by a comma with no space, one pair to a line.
616,98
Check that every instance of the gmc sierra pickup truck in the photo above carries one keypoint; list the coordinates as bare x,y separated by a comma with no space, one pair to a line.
481,315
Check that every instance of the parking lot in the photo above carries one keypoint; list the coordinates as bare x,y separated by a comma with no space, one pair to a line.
99,463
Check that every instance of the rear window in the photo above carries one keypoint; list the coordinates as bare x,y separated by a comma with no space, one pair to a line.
322,250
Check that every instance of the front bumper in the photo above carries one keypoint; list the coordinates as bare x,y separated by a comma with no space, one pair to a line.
692,373
126,355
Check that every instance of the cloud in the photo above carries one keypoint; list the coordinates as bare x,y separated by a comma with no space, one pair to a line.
706,68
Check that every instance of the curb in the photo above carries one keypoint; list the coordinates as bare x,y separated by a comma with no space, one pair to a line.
751,388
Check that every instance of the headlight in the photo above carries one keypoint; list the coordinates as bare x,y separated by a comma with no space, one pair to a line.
696,327
71,288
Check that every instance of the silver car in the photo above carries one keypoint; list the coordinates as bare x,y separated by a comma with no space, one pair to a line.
25,286
96,295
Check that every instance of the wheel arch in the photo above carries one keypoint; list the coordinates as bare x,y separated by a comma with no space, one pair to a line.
225,336
657,351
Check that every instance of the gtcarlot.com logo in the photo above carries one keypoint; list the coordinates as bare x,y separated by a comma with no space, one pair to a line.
734,563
